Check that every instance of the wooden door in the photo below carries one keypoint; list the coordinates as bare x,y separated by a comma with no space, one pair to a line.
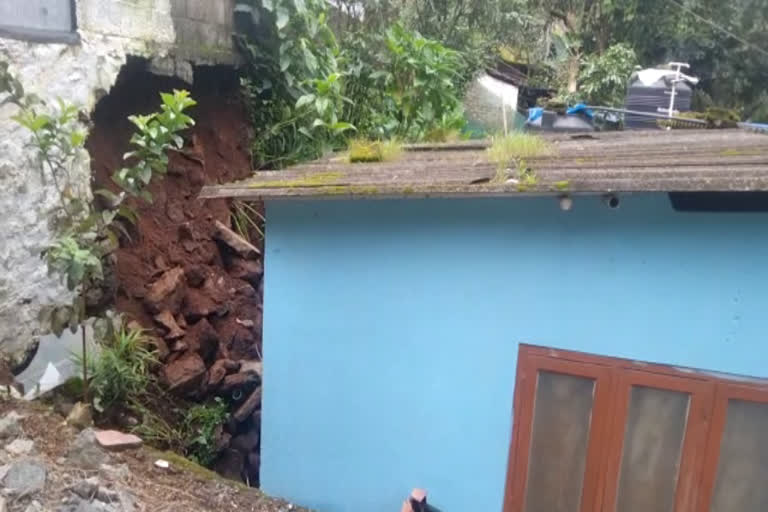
557,446
654,452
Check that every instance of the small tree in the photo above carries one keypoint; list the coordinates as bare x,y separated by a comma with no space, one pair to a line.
603,78
85,236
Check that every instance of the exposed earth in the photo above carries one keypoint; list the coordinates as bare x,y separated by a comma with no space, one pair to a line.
48,466
182,273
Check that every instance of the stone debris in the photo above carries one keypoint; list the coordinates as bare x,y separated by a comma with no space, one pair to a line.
250,405
25,477
185,374
167,322
19,447
10,428
167,292
235,242
115,441
86,453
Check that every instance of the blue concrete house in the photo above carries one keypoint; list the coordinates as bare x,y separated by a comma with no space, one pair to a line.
591,339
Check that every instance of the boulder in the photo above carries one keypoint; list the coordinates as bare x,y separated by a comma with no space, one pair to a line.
250,271
169,324
10,426
185,374
252,403
25,477
19,447
85,452
216,373
240,381
198,305
203,339
235,242
115,441
196,275
167,292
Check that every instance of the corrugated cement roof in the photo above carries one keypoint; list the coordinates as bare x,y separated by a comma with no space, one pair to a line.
595,163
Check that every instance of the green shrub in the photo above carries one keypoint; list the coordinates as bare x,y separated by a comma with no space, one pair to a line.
603,78
119,371
200,426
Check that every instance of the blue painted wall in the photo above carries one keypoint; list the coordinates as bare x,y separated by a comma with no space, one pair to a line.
391,329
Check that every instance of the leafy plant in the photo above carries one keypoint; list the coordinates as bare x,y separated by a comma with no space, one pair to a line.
120,369
419,75
201,423
603,78
292,84
156,134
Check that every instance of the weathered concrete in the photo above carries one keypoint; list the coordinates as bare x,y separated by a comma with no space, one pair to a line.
109,31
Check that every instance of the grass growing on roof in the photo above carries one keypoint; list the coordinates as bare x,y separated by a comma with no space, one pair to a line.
363,150
505,150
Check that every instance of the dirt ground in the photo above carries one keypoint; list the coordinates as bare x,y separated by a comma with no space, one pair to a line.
184,487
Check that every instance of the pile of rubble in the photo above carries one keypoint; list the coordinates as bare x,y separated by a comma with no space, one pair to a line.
47,465
184,274
201,345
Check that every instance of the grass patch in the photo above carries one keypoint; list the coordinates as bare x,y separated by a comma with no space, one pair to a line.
362,150
507,150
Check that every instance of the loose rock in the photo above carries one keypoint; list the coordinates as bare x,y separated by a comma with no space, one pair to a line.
114,441
241,380
250,405
167,292
172,329
20,447
25,477
235,242
85,452
10,427
250,271
185,374
203,339
198,305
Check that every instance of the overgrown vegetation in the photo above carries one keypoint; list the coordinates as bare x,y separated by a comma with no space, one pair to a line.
189,429
363,150
504,150
307,95
247,221
120,370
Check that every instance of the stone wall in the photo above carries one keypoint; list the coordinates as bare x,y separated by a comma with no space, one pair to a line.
174,35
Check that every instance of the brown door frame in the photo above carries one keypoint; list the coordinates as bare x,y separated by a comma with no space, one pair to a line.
725,391
706,422
695,434
529,365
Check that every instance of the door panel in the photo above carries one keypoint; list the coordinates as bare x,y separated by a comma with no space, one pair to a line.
742,471
653,443
556,455
661,424
736,466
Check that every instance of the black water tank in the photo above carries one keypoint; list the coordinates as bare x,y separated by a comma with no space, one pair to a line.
651,94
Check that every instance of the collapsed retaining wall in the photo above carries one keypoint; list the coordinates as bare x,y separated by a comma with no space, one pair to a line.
174,35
